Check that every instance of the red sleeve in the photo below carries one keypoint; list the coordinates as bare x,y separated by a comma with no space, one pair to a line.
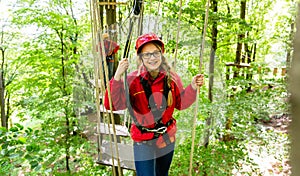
184,97
117,95
117,47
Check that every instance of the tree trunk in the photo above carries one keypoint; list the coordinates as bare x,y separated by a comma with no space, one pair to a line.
295,101
65,93
237,62
110,13
240,38
2,90
101,14
289,49
7,104
112,28
254,52
214,33
214,46
140,21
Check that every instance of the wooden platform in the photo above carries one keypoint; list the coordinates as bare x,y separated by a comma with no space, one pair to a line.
103,109
125,155
120,130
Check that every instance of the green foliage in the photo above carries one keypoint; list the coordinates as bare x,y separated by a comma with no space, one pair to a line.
49,78
216,159
37,152
246,111
18,149
51,61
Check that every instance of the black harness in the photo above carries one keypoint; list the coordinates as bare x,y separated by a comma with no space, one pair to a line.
159,127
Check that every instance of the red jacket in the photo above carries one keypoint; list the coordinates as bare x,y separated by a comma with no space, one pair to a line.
182,99
110,47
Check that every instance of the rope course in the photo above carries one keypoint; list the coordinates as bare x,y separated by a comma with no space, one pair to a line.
101,73
110,152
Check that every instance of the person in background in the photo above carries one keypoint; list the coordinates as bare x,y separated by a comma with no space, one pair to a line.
111,48
154,91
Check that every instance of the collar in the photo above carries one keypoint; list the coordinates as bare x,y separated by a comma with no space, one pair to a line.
146,75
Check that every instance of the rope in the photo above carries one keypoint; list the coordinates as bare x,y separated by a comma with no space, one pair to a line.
197,98
138,7
98,68
177,36
96,81
111,119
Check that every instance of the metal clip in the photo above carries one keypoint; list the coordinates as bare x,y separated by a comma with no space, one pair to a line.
160,130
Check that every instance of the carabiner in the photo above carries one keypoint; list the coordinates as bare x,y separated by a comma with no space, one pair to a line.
160,130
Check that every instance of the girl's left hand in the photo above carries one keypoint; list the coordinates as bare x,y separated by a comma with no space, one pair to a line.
198,80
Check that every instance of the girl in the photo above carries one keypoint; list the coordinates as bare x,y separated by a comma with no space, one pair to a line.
154,91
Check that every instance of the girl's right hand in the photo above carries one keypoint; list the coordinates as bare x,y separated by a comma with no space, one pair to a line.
122,67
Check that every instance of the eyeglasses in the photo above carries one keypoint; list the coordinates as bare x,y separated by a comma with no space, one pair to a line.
155,54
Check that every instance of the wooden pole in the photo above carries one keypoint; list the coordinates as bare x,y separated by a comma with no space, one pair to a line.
198,89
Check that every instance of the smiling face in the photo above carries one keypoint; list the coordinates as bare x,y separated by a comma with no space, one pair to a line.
151,57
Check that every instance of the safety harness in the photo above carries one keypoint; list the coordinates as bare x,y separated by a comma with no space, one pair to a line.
159,128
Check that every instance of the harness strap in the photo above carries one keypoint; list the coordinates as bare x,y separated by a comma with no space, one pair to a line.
166,138
158,130
156,112
151,103
159,127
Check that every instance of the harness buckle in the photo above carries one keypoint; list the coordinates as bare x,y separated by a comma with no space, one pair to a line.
160,130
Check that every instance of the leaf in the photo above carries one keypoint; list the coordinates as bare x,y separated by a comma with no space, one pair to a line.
33,147
19,126
33,164
28,130
2,130
22,140
14,155
38,167
14,129
28,157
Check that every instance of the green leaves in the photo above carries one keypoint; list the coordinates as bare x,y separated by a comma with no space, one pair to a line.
49,83
32,147
15,149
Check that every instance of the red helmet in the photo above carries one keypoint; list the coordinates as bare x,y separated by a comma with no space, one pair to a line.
146,38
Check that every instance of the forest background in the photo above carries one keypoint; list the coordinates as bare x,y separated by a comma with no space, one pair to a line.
46,91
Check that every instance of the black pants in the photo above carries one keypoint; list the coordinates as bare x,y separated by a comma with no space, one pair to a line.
110,66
